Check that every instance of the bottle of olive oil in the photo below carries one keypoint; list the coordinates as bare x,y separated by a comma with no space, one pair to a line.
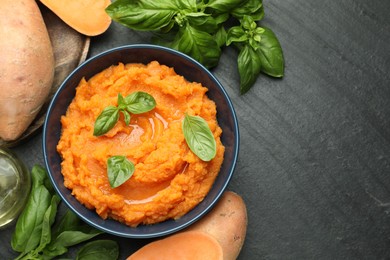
15,184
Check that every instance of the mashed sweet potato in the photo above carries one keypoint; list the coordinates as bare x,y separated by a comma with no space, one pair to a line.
169,180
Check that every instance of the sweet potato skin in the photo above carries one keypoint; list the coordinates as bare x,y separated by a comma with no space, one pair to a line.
192,245
26,66
227,222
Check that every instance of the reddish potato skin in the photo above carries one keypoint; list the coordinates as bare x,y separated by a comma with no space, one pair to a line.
26,66
227,222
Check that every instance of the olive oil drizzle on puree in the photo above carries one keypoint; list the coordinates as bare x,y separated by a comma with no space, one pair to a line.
169,180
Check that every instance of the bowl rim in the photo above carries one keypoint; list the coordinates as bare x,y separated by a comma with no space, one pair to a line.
177,227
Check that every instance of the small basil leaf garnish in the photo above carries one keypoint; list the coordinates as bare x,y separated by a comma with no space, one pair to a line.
119,170
139,102
106,120
199,137
136,103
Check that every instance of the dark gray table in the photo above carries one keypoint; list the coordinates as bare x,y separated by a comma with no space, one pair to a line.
314,162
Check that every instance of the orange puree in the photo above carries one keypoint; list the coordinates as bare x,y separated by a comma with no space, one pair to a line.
169,180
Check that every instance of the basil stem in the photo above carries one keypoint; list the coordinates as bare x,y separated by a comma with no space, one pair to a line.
199,137
119,170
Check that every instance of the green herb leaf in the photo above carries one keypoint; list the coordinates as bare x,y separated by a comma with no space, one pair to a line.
221,36
126,116
121,102
203,22
146,15
139,102
199,137
254,8
200,45
223,6
67,239
28,230
106,120
47,221
271,54
119,170
99,249
236,34
249,67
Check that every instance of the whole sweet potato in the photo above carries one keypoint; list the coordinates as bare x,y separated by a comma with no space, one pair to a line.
219,235
26,66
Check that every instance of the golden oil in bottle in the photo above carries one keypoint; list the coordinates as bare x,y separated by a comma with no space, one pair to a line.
15,184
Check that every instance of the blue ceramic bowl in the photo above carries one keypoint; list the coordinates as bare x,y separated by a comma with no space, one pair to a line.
183,65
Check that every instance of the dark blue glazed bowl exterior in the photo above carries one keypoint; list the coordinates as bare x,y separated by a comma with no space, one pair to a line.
183,65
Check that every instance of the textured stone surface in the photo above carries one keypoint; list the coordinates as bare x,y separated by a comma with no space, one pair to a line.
314,162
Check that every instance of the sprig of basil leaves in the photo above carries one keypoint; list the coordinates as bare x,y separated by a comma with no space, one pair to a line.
197,28
37,234
199,137
260,51
135,103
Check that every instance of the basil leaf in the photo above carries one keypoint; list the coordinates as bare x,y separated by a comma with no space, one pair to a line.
146,15
236,34
199,137
184,4
48,220
203,22
271,54
106,120
99,249
119,170
69,221
121,102
28,228
198,44
221,36
223,6
253,8
68,232
127,117
67,239
139,102
249,67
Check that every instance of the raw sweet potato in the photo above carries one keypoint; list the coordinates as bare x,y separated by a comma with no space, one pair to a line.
192,245
26,66
227,222
88,17
225,225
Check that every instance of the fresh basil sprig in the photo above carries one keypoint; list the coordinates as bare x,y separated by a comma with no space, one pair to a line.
197,28
37,234
135,103
259,51
199,137
119,170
